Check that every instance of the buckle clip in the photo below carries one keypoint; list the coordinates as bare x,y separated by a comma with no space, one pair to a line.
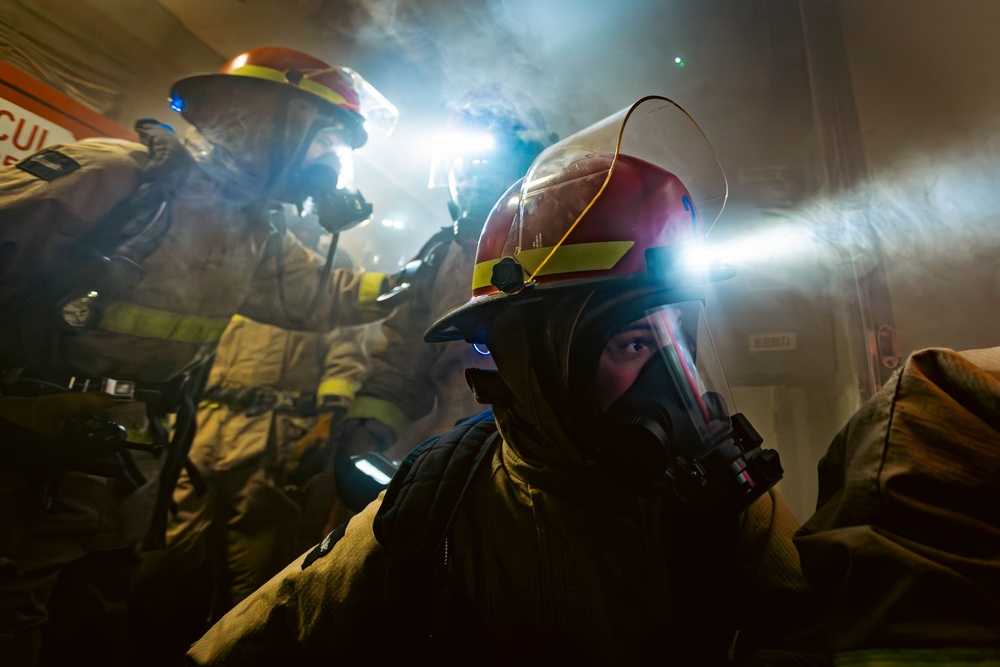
121,389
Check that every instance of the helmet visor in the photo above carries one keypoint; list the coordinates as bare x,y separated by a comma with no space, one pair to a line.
654,129
379,113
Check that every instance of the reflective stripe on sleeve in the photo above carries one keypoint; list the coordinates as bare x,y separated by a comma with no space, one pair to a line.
958,656
336,387
135,320
369,407
372,284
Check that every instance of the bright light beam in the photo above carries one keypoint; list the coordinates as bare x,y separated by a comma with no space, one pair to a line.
757,248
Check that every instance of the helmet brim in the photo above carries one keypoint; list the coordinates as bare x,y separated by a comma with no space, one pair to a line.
472,320
195,90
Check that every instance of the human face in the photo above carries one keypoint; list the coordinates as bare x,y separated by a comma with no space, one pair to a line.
627,352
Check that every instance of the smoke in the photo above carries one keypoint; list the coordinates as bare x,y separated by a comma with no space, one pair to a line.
933,221
930,218
542,50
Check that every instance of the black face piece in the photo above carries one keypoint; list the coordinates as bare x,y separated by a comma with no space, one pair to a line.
336,209
668,432
313,172
644,425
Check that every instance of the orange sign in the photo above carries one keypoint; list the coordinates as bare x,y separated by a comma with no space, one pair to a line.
34,115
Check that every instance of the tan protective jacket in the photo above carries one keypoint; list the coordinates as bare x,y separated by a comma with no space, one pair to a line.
905,543
290,363
559,565
214,261
551,575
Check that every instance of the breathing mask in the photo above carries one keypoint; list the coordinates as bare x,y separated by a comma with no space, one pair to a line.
666,422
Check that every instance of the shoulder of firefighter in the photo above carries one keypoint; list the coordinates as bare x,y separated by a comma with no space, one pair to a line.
55,197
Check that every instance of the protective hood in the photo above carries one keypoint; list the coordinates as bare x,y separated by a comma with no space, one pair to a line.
531,413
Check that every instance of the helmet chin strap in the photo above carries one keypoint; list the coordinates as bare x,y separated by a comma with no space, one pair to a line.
286,166
280,164
281,174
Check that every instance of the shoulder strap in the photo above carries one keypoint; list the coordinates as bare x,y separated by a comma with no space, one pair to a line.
413,525
423,496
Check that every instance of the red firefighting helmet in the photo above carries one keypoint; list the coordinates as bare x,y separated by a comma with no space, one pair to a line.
340,91
581,216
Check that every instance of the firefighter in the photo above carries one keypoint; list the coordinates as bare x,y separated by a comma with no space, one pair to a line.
610,508
416,390
262,447
121,265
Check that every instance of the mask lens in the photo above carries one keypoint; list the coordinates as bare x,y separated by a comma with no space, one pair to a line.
657,372
330,148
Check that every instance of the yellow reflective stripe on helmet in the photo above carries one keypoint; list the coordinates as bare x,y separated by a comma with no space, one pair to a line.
135,320
598,256
258,72
369,407
336,387
326,93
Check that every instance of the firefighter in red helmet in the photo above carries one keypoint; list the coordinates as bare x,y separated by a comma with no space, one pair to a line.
610,505
122,264
416,390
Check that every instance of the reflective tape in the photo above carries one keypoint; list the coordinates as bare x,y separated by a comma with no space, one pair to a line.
369,407
136,320
597,256
336,387
328,94
372,284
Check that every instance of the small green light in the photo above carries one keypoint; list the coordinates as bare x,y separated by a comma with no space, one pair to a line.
680,64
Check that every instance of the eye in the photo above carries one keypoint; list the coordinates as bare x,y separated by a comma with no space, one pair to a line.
640,344
629,346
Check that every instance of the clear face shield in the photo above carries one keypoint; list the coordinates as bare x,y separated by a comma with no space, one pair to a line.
474,186
322,179
654,129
